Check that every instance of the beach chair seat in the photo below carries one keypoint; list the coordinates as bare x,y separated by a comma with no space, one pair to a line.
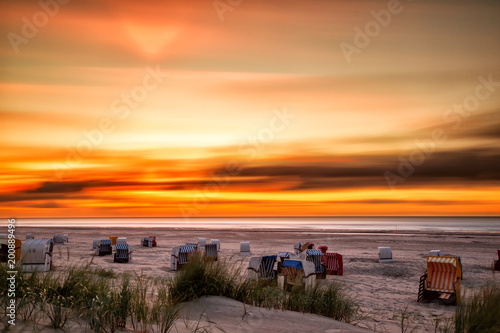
211,252
333,264
36,255
262,267
385,255
104,247
123,253
441,280
299,273
315,256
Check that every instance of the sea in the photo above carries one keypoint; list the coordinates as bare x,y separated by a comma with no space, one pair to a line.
358,224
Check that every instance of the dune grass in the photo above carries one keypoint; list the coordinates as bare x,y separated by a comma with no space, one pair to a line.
200,278
106,302
480,312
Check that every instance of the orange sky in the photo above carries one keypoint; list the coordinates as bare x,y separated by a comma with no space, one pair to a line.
169,108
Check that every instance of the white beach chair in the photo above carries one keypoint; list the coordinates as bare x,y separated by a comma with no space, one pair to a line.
437,253
245,248
123,253
36,255
385,255
60,239
95,243
211,252
30,236
201,243
216,241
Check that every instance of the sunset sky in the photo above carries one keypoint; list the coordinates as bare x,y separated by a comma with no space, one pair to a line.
249,108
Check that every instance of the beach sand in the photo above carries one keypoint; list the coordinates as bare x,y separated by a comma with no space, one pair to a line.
382,290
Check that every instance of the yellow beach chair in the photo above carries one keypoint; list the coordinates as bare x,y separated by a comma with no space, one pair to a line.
441,280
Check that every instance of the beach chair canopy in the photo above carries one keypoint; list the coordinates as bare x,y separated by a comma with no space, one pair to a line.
33,251
216,241
435,253
442,274
60,238
245,247
385,254
121,240
323,249
262,267
284,254
314,256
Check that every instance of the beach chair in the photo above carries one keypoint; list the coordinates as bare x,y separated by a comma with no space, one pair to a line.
154,241
299,273
441,280
216,241
121,240
60,239
95,242
385,255
30,236
297,248
245,248
211,252
496,263
104,247
333,264
181,255
315,256
14,246
36,255
435,253
123,253
148,242
201,243
262,268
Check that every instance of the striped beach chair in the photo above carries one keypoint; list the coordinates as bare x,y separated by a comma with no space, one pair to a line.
211,251
104,247
297,273
333,264
314,256
123,253
262,268
441,280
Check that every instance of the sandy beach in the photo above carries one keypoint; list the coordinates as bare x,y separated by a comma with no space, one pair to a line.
382,290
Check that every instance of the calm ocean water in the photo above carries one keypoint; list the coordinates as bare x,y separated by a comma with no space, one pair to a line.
478,224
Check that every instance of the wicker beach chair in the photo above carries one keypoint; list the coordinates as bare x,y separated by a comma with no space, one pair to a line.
104,247
148,241
211,252
315,256
262,267
36,255
297,273
333,264
385,255
123,253
441,280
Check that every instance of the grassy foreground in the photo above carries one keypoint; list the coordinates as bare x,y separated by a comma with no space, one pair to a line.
105,302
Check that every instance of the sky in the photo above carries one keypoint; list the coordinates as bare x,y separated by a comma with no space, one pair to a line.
249,108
